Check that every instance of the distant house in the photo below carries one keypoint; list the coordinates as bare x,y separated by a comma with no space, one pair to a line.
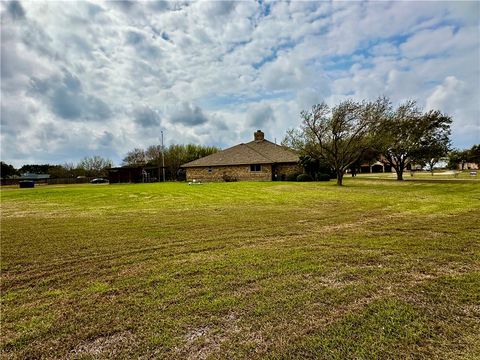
463,165
376,167
381,167
36,177
258,160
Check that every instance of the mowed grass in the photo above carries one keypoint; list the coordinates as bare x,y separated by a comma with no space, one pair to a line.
373,270
450,175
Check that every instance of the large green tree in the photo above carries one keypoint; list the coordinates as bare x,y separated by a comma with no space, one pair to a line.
338,135
35,168
474,154
7,170
456,158
135,157
432,154
405,135
95,166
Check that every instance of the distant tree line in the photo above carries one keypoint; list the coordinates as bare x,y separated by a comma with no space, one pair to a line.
93,166
96,166
7,170
459,158
352,132
174,156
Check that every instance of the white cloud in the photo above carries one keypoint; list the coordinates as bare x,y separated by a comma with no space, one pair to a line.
81,77
384,49
436,41
451,97
443,94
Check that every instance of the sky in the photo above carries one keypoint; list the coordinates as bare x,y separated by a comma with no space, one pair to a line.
85,78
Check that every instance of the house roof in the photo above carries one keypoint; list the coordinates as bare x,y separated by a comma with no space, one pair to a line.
254,152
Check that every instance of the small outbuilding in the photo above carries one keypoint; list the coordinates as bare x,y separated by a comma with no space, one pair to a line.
134,174
258,160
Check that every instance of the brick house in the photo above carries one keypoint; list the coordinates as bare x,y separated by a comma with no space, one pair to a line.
463,165
258,160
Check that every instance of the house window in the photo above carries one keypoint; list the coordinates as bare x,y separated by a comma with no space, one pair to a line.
256,167
210,169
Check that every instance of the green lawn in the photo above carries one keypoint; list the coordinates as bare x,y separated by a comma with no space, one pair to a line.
373,270
427,175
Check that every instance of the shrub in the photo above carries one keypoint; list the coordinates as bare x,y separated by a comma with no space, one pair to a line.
292,177
229,178
304,177
322,177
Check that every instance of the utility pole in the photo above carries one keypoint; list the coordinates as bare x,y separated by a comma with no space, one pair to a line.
163,160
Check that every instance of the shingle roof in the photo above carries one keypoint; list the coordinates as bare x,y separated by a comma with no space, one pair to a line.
254,152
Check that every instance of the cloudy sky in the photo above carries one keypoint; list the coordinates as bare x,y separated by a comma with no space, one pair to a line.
101,78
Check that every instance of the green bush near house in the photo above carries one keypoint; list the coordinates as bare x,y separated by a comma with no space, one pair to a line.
229,178
304,177
292,177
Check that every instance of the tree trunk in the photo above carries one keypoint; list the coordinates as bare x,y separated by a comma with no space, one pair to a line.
399,169
399,174
339,178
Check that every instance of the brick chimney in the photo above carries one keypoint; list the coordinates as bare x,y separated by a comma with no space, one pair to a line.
259,135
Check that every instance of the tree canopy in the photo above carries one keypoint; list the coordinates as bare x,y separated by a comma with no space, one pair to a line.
95,166
174,156
351,131
7,170
338,135
135,157
458,158
406,135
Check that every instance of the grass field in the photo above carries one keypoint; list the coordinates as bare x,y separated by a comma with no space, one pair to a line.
373,270
426,175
